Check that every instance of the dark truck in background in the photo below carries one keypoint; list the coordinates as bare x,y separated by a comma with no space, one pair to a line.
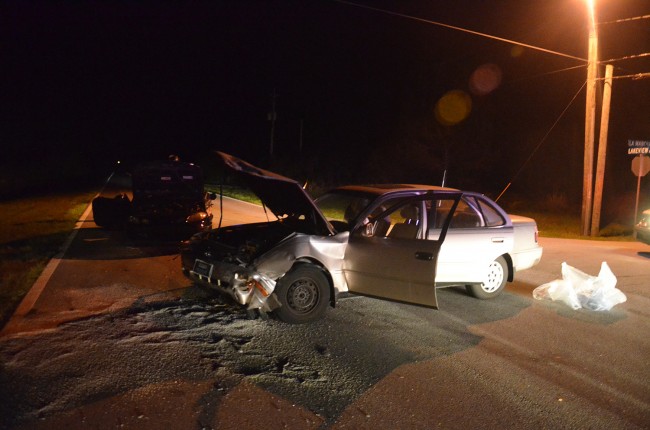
169,202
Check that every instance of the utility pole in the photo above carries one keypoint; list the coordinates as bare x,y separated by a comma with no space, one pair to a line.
590,122
602,150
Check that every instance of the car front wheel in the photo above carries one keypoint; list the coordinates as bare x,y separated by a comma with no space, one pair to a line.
304,295
495,281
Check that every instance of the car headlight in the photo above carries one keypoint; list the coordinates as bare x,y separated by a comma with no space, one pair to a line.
196,217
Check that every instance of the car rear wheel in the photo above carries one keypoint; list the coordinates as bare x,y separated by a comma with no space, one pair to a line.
304,295
495,281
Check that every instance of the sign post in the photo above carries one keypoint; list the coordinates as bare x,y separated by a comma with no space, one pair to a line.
640,166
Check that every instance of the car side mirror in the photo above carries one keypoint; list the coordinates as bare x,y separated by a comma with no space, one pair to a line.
212,196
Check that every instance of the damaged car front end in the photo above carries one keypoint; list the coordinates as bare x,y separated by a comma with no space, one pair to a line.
250,262
226,259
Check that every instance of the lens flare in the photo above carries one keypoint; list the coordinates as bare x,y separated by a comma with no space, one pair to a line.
453,107
485,79
516,51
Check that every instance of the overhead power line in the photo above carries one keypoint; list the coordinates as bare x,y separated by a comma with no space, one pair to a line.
636,18
539,144
525,45
552,72
634,77
464,30
629,57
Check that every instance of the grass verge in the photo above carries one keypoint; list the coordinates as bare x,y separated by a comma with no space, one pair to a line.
32,232
568,226
235,192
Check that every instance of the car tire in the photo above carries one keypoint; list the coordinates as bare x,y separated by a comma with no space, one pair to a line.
495,283
303,294
111,213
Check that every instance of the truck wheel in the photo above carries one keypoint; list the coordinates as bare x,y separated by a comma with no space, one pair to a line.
495,281
303,294
111,213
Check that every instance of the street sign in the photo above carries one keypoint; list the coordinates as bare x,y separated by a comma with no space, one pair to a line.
640,165
638,147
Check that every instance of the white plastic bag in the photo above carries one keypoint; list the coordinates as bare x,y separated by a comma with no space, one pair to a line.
580,290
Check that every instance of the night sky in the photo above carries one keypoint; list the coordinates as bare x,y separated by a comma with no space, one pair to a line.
356,89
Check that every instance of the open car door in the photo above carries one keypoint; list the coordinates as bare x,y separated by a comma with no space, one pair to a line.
392,256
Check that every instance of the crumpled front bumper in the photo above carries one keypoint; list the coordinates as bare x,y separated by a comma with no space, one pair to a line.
253,290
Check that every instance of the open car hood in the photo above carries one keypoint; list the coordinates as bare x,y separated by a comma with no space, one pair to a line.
283,196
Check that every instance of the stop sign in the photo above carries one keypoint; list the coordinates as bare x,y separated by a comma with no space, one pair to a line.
640,165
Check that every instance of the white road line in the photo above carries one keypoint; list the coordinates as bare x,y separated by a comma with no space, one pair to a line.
34,293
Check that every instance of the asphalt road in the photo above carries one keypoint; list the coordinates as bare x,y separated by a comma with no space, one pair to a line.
115,337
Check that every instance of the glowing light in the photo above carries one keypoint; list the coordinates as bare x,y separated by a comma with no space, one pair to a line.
592,15
485,79
453,107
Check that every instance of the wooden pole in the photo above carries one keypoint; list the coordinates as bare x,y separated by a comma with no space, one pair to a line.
590,122
602,151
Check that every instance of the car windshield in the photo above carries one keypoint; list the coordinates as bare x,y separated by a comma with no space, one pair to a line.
341,209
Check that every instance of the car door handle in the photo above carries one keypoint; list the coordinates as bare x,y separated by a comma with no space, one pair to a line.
497,240
427,256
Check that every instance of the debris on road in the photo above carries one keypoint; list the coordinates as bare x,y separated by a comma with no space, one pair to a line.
580,290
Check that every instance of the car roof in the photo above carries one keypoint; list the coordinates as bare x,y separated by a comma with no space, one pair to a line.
380,189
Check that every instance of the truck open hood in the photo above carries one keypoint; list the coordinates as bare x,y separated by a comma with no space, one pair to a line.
283,196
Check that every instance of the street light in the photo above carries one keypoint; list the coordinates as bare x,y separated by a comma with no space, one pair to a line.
590,121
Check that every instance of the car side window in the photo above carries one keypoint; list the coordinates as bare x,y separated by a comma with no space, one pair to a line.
402,222
405,222
465,217
341,210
